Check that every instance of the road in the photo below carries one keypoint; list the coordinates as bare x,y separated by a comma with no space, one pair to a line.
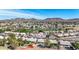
71,38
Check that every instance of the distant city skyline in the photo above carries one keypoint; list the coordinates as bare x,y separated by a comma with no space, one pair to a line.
39,13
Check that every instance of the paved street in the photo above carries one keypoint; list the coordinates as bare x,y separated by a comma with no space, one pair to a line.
74,38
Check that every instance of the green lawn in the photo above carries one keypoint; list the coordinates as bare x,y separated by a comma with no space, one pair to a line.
24,30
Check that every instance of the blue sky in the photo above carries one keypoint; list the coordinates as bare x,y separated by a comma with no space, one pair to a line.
39,13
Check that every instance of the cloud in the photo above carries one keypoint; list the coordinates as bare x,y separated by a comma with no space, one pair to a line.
14,14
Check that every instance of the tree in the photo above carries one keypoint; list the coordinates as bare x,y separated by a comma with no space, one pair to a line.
21,42
1,42
47,42
76,45
1,30
13,41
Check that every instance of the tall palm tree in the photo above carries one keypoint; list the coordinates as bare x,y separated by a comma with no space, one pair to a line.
47,42
13,41
57,38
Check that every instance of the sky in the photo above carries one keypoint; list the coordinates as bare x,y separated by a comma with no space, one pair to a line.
39,13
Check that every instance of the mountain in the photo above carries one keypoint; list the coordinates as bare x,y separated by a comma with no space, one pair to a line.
54,19
38,20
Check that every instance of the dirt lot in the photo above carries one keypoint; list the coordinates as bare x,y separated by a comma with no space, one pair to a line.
3,48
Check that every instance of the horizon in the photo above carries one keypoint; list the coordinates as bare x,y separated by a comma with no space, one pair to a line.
39,13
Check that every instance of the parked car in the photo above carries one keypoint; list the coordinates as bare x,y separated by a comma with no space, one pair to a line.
41,45
69,48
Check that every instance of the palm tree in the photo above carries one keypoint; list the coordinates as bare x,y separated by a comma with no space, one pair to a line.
47,42
57,38
13,41
21,42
